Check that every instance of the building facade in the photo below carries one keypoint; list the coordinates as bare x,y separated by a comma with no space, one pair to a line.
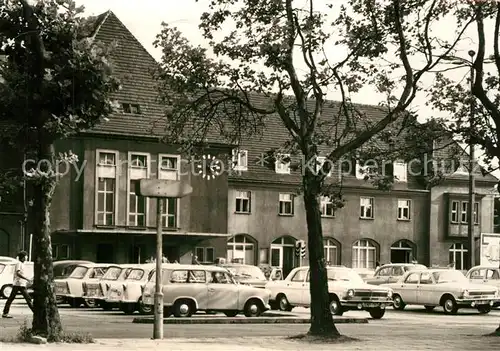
253,214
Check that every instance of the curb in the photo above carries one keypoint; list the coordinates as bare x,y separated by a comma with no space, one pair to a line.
244,320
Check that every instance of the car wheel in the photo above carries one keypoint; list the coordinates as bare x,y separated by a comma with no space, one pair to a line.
398,303
6,290
450,305
183,308
283,303
231,313
484,309
429,308
376,313
335,307
89,303
253,308
144,309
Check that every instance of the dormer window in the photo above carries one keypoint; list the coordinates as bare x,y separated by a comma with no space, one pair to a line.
131,108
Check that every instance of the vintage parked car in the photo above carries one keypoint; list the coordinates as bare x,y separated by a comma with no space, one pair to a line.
347,292
448,288
247,274
488,275
191,288
71,288
7,268
127,294
392,272
97,290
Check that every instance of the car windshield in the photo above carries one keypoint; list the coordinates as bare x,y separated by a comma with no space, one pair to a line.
63,270
135,274
2,267
347,275
449,277
78,272
112,273
246,272
416,267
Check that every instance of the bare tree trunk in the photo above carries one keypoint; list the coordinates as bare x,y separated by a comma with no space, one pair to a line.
321,317
46,319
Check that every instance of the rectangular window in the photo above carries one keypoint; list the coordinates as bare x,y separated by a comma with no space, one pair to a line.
400,171
327,209
320,161
463,212
366,207
106,178
454,211
169,167
139,166
282,163
205,254
404,207
286,204
131,108
240,160
169,216
243,202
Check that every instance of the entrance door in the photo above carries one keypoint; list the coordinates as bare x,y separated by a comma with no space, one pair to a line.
105,253
172,253
4,243
277,257
288,259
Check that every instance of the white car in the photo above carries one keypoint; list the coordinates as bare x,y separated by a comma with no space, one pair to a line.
127,294
190,288
71,288
97,290
346,288
448,288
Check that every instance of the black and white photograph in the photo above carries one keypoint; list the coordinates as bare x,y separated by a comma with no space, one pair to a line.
250,175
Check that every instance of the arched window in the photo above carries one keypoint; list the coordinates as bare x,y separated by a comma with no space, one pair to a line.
283,253
364,254
459,256
241,248
403,251
332,250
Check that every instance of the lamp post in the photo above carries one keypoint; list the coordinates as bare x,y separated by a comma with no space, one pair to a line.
472,185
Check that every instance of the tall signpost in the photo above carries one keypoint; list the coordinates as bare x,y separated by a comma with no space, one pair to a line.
160,190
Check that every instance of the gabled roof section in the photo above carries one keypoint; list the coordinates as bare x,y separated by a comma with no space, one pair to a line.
133,65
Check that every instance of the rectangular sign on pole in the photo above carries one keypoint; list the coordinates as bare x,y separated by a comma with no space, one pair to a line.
160,189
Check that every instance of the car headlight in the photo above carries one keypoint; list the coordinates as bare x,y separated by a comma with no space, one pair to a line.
350,293
465,293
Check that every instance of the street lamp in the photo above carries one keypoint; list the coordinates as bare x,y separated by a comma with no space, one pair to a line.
472,185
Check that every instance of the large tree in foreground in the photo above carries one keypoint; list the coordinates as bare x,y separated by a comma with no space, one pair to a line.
459,99
277,59
56,81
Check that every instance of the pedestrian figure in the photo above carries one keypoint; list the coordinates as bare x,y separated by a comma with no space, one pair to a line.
195,260
19,286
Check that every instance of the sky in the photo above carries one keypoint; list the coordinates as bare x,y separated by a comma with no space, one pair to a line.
144,17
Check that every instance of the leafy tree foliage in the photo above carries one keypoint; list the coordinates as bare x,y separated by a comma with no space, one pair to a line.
477,95
56,81
276,60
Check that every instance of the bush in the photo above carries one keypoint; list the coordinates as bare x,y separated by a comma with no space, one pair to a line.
24,335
